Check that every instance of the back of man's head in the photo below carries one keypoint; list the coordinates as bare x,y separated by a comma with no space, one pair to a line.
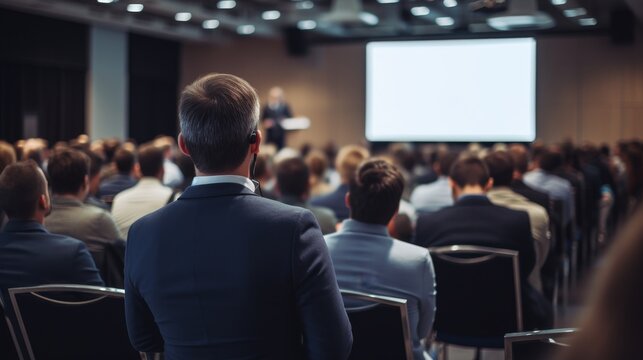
347,161
520,158
317,163
218,113
550,159
125,161
67,171
21,186
469,171
375,192
293,177
7,155
150,160
445,160
501,168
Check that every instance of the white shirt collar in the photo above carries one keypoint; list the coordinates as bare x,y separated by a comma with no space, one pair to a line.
218,179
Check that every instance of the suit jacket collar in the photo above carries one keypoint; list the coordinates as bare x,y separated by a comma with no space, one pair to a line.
20,226
215,190
473,200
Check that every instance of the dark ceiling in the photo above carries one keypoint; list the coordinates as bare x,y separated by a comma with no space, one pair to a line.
379,19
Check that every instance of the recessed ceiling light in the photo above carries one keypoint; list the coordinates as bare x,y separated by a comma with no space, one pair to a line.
245,29
105,1
445,21
369,19
420,11
588,21
388,1
305,5
226,4
575,12
450,3
135,7
271,15
558,2
183,16
211,24
306,24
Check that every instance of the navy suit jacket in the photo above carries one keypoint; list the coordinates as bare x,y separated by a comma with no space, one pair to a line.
222,273
334,201
474,220
30,255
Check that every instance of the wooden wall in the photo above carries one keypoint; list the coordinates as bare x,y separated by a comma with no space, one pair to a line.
588,89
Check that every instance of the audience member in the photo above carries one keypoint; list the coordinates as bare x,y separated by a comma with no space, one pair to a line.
610,326
367,259
474,220
542,178
520,157
124,178
436,195
95,164
30,255
172,175
187,169
347,161
293,187
250,277
68,174
501,170
265,176
148,195
7,157
318,164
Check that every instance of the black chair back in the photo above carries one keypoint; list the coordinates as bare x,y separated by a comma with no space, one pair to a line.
479,295
380,327
72,322
8,339
536,345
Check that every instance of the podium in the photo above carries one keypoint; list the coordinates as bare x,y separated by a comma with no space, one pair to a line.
295,123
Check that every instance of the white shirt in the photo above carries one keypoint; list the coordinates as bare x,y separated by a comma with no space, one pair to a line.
218,179
172,175
132,204
432,197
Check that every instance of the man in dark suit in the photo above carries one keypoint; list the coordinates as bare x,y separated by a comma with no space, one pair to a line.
222,273
474,220
29,254
272,115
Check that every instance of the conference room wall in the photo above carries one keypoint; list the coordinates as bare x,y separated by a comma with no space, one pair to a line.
588,88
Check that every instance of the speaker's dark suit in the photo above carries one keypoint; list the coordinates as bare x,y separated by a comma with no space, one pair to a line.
222,273
474,220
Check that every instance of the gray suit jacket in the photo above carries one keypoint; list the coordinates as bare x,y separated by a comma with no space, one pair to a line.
367,259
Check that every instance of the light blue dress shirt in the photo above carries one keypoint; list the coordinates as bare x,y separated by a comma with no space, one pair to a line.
556,187
432,197
367,259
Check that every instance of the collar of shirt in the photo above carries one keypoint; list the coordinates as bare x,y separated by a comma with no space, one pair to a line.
219,179
351,225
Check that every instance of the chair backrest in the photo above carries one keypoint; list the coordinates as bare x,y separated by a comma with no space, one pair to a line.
536,345
8,341
380,327
72,322
478,294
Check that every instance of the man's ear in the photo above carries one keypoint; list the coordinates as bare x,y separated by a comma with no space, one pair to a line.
43,203
488,185
254,148
182,146
347,200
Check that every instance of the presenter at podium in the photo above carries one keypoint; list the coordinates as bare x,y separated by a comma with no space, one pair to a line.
272,116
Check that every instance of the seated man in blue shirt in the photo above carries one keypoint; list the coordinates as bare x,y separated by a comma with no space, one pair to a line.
367,259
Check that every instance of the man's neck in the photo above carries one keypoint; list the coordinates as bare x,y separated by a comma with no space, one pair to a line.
77,197
471,190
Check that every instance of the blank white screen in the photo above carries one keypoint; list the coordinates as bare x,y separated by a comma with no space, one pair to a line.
452,90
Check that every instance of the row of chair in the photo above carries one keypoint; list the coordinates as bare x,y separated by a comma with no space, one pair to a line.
59,321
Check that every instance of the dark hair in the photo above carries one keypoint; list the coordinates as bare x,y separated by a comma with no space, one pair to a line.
445,160
217,114
7,155
95,162
501,167
124,160
375,192
520,158
150,160
21,185
469,171
550,160
67,169
109,148
293,177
